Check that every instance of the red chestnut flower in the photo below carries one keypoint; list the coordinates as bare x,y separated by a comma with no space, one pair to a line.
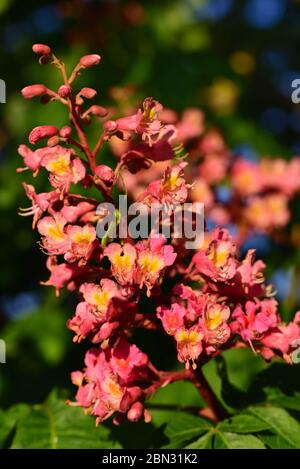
206,300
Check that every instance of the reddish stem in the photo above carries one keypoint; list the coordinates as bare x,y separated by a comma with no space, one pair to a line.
216,410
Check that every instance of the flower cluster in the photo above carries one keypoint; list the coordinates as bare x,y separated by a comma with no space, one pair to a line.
208,300
253,195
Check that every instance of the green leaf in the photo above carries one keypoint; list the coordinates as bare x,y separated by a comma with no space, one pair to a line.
55,425
183,428
8,421
243,423
275,441
280,422
228,440
204,442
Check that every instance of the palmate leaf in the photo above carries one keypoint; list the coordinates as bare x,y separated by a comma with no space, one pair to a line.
204,442
9,420
281,424
54,425
243,423
227,440
183,428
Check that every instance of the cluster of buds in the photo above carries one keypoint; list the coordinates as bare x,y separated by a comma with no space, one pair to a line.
208,300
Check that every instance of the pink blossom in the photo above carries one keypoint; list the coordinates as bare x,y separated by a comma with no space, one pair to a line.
191,125
255,319
246,178
64,168
153,257
172,318
82,242
189,345
270,211
217,261
123,262
62,275
145,122
40,203
74,212
107,386
54,237
171,189
98,296
282,338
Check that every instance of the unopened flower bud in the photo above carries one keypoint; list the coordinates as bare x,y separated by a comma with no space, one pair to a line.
65,131
32,91
88,61
43,131
105,173
135,412
147,416
110,126
88,93
53,141
98,110
41,49
65,91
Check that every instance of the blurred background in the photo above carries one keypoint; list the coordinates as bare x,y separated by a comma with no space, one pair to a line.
235,59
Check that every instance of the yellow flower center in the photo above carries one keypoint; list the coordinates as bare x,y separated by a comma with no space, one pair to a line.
188,337
219,255
59,166
171,183
110,386
151,264
101,299
55,232
82,237
213,318
122,261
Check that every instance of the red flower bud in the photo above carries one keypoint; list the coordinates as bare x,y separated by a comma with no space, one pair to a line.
88,93
105,173
42,131
98,110
135,412
33,90
41,49
53,141
65,91
88,61
110,126
65,131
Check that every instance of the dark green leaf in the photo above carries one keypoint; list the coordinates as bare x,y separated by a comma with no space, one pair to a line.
243,423
184,427
8,421
227,440
56,425
204,442
280,422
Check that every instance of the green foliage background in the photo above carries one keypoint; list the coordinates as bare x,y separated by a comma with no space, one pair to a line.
170,53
